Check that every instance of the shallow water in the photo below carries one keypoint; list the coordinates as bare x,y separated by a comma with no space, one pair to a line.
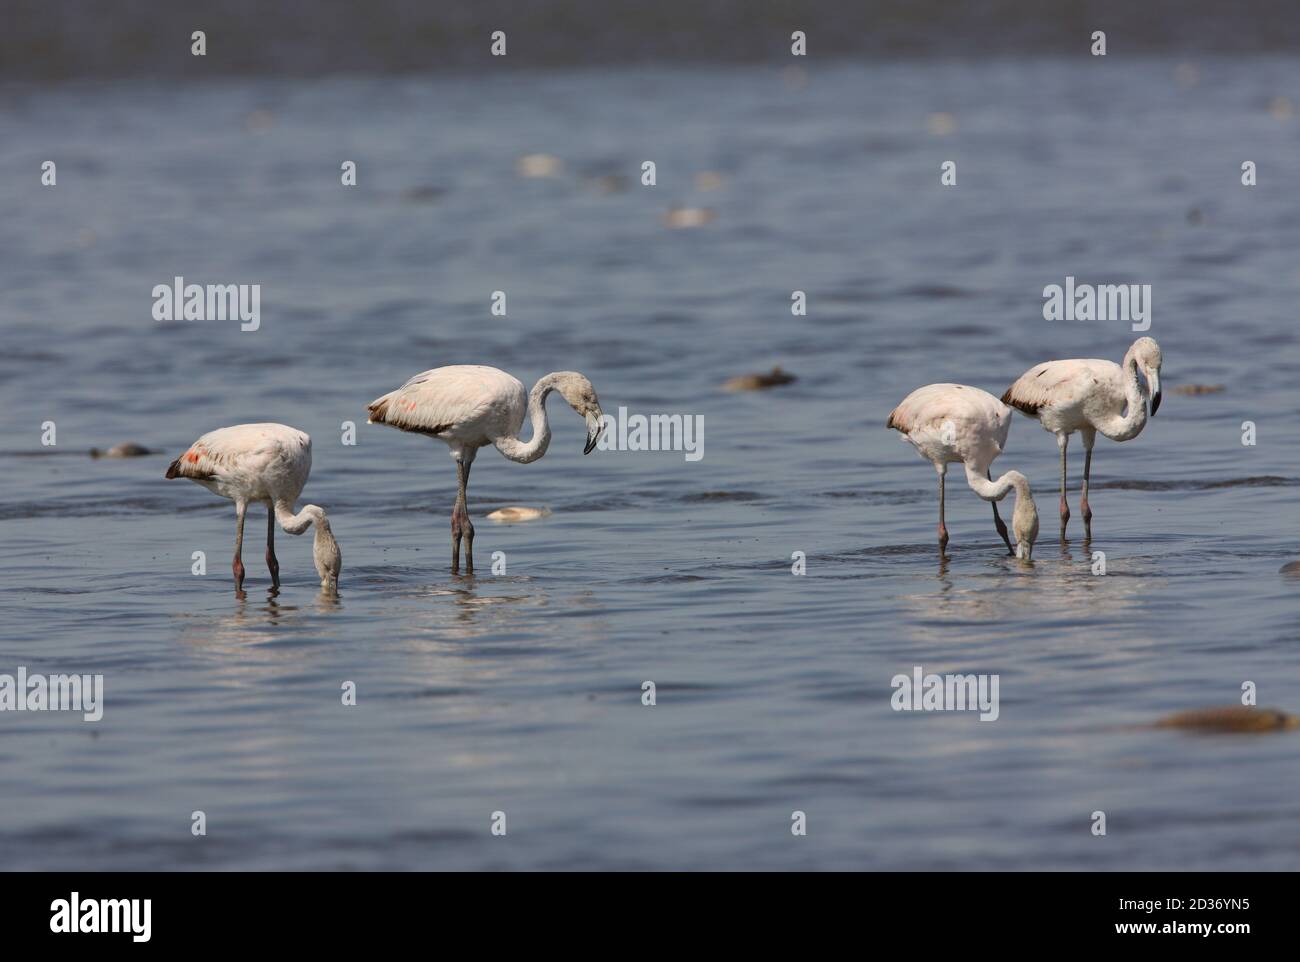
521,692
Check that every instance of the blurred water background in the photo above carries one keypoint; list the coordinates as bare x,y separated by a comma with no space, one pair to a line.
521,692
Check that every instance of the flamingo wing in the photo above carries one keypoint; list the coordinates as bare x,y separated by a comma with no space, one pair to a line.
241,450
934,404
1056,382
953,419
915,409
455,399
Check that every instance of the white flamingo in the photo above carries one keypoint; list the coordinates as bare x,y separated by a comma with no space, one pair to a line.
267,464
1090,395
956,422
469,406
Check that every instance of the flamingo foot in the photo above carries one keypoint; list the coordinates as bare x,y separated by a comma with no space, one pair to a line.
1086,511
461,528
238,568
1065,515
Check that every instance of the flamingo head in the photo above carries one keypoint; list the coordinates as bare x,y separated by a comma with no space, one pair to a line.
1024,523
1146,352
577,390
326,554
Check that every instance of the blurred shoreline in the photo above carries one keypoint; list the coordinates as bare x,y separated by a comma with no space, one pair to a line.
86,39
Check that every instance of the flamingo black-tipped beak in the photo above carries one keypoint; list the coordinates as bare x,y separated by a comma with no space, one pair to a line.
1155,402
594,427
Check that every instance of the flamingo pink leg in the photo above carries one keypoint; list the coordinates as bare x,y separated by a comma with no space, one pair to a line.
460,523
1062,440
1083,500
271,561
998,522
943,529
238,566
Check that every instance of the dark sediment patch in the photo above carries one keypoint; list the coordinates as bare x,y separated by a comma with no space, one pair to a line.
1262,481
705,496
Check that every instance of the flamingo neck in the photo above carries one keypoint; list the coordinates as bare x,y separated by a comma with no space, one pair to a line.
997,490
517,450
325,549
1130,424
298,523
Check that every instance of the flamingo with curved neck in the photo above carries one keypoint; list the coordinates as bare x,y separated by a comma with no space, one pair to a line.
469,406
267,464
949,423
1024,519
1091,396
527,452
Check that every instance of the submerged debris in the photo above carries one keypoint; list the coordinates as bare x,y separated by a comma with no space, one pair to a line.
539,165
518,513
941,124
607,183
681,217
127,449
1231,718
757,382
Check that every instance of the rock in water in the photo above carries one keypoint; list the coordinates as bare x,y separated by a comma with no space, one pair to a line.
127,449
423,194
685,217
517,513
757,382
1231,718
539,165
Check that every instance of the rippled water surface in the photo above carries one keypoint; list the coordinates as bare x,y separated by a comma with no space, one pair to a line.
521,692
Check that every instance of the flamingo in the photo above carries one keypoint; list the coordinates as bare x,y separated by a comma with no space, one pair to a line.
469,406
1089,395
266,463
955,422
